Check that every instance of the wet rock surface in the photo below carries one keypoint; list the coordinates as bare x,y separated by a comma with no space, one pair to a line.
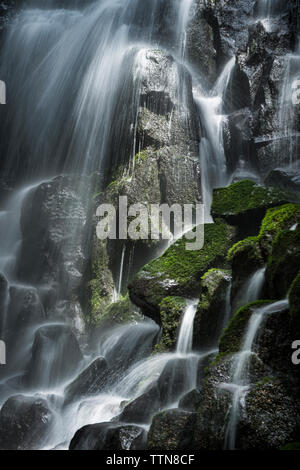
108,436
25,423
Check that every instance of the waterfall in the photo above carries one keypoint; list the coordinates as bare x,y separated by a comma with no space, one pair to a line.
288,144
240,368
76,66
212,154
121,270
251,290
73,97
185,338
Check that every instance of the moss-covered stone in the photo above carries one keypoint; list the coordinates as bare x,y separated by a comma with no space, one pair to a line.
283,263
248,255
178,271
245,203
294,301
232,337
119,312
275,220
171,430
209,319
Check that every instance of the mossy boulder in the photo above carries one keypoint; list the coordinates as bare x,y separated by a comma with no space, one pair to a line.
172,430
283,263
245,203
277,219
211,311
178,271
232,337
119,312
250,254
294,301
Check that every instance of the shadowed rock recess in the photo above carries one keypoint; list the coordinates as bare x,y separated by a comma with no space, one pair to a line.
124,344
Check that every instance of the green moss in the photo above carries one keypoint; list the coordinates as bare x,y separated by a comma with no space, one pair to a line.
232,337
119,312
277,219
178,271
186,267
248,249
245,196
141,155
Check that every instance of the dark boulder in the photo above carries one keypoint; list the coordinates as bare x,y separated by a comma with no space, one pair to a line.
55,357
89,382
141,410
283,263
109,436
25,423
172,430
284,178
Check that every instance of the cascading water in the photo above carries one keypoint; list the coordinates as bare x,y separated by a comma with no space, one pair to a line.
77,71
240,368
76,67
212,154
289,142
251,290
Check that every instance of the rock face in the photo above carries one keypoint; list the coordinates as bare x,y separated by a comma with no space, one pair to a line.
108,436
53,227
24,423
162,118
